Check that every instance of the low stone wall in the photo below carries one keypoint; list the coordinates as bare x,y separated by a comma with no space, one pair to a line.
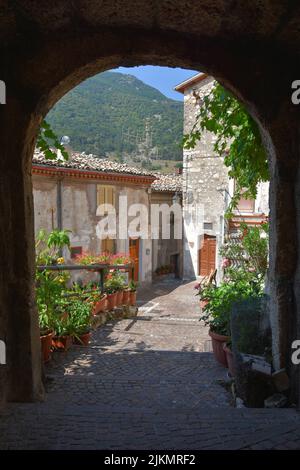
119,313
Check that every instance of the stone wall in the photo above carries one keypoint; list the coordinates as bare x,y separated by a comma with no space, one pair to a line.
205,180
79,205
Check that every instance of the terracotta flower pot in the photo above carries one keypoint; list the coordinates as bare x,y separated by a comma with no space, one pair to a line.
46,344
62,343
126,296
83,340
111,301
132,297
100,306
119,298
217,345
229,359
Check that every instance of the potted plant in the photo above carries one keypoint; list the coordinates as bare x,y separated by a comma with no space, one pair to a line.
111,287
120,259
120,284
100,304
46,334
242,285
63,326
86,258
62,340
216,315
49,288
132,292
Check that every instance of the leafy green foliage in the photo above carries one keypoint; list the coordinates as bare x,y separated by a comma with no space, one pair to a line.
73,317
47,140
105,113
48,246
222,298
238,140
114,282
49,284
246,267
58,239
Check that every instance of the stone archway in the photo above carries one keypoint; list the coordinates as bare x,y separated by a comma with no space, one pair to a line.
47,49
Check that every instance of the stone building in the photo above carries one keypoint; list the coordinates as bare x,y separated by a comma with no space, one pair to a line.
207,190
167,189
68,193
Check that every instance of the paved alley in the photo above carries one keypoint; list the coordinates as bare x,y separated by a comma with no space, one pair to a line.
145,383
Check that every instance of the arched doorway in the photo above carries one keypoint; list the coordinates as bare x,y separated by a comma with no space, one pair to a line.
47,51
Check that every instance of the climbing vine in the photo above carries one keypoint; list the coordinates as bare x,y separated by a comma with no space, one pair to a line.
238,140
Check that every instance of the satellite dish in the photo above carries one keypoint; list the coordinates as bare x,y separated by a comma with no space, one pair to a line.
65,140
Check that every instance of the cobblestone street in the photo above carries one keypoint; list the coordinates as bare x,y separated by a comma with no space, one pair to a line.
145,383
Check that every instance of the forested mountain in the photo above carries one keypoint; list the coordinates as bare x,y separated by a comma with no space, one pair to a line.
114,113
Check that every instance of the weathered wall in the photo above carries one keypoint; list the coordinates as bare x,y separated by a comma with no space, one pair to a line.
262,199
204,181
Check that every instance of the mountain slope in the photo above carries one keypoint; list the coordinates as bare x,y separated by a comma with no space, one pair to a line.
109,114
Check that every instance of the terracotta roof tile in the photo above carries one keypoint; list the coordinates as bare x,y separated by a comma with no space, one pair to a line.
171,183
80,161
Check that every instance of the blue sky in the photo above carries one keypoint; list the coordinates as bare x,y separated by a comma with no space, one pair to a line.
162,78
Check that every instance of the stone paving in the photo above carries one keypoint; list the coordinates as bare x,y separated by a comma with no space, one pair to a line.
145,383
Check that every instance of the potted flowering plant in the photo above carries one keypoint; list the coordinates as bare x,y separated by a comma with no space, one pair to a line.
120,285
86,258
217,317
80,317
49,289
132,289
120,259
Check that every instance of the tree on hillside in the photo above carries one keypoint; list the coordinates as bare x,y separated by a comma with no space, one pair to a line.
238,141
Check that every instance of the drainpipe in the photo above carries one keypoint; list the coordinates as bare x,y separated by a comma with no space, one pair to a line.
59,209
59,204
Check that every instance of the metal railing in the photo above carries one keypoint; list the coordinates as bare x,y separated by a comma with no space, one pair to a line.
99,268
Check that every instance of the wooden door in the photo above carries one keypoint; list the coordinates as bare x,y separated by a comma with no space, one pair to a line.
207,256
134,249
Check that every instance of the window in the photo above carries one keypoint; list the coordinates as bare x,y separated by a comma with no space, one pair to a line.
208,225
246,205
106,195
108,245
